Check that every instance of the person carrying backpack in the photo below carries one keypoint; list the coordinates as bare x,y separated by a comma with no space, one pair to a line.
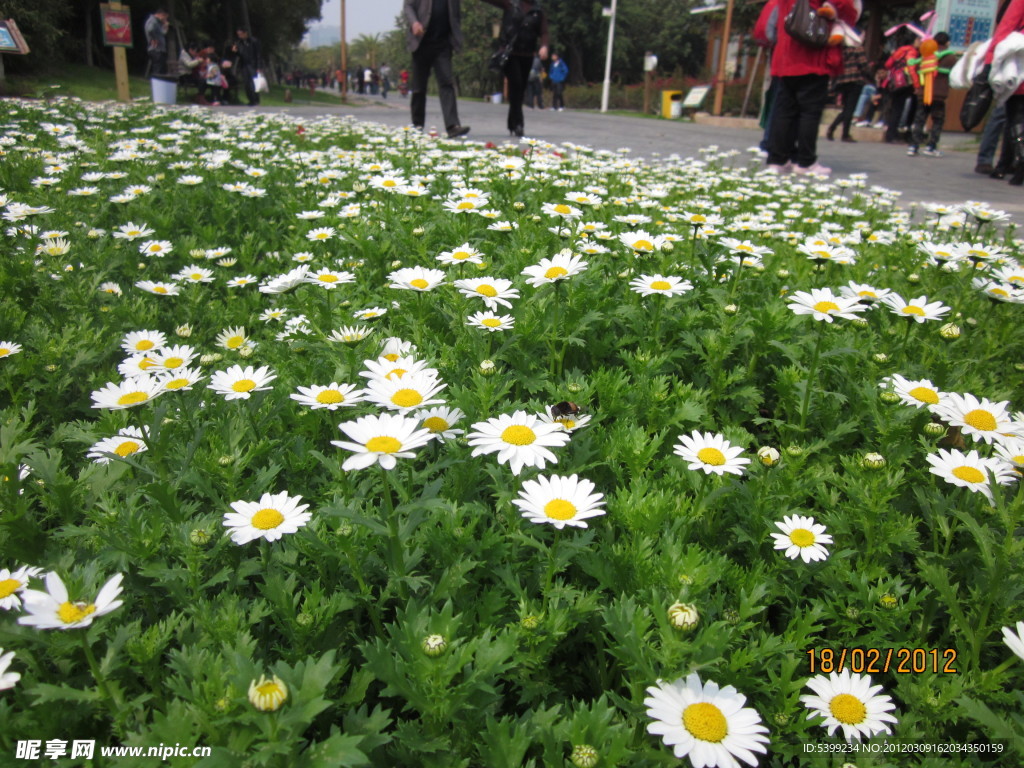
900,87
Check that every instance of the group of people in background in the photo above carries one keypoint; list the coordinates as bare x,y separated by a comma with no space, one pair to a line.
435,33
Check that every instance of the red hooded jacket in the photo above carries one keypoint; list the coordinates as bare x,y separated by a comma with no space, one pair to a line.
791,57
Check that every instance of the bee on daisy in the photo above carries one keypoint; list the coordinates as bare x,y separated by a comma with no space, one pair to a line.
54,609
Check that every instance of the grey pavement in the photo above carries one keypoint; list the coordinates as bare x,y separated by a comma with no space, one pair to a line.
948,179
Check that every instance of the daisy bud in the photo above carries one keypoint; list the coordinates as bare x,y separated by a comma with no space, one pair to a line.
889,398
783,273
852,612
848,765
574,387
795,451
950,331
396,264
530,622
222,704
683,616
934,429
668,245
344,530
226,461
730,309
199,537
209,359
268,695
141,265
1018,366
418,232
518,205
245,351
487,367
304,619
51,368
913,277
434,645
197,253
685,579
880,357
359,187
859,322
873,461
584,756
768,456
889,601
731,615
184,330
780,718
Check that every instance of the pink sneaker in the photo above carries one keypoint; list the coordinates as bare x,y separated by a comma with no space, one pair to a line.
780,170
816,170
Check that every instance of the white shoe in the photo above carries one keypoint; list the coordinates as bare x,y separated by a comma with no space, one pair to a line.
816,170
862,124
779,170
928,151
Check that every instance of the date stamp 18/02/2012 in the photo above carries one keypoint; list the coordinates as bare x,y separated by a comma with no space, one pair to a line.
875,661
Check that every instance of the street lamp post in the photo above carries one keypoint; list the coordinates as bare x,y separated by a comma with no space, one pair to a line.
723,57
608,60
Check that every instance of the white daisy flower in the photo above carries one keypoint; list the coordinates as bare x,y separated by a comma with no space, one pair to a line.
802,537
156,248
970,470
53,609
464,254
173,357
561,266
849,701
492,290
569,422
242,281
180,379
864,293
126,442
405,393
385,367
520,440
916,392
8,348
331,397
330,278
320,234
822,304
232,338
559,501
350,334
158,287
706,723
270,518
711,453
562,210
1014,640
416,279
13,583
490,321
642,242
7,679
660,285
441,420
369,313
128,393
981,419
919,309
143,341
1011,449
239,383
381,440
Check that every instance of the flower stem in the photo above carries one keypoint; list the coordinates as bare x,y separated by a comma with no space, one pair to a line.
114,702
395,538
811,371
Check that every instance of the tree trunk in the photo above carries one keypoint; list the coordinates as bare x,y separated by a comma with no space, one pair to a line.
89,5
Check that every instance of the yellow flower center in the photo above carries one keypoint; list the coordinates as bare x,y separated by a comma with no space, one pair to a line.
127,448
998,291
912,310
244,385
744,247
173,362
197,276
159,289
71,613
266,519
925,395
132,398
698,219
554,272
143,345
269,688
562,209
969,474
868,294
823,254
711,456
234,342
660,285
981,420
518,434
4,351
706,722
460,255
487,290
491,322
384,444
8,587
465,205
328,278
330,396
643,245
801,537
569,424
436,424
407,398
419,282
847,709
145,364
826,307
389,183
560,509
176,383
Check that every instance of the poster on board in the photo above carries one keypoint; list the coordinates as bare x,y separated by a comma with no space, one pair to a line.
117,26
11,40
966,21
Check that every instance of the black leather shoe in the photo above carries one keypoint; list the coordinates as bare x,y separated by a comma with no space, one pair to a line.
517,132
984,168
457,130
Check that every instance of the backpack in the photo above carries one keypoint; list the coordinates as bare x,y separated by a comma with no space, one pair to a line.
899,78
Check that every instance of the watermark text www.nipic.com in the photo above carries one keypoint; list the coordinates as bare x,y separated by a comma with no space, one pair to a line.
54,749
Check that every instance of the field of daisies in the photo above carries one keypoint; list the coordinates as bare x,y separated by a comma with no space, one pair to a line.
327,444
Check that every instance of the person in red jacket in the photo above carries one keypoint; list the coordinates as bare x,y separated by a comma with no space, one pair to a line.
1012,21
803,73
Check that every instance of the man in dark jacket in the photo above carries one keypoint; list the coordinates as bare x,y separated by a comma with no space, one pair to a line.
434,34
246,49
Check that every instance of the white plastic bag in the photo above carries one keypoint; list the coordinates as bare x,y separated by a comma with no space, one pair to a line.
259,83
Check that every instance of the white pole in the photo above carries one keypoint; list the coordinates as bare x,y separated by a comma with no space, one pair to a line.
608,61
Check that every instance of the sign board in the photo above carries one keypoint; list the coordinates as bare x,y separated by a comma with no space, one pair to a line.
11,40
696,96
117,26
966,21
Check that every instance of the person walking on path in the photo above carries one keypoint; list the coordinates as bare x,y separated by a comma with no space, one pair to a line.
1012,21
900,89
535,85
931,90
247,63
856,73
434,35
156,41
803,73
523,26
559,73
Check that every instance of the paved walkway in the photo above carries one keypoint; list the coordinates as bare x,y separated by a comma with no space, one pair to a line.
948,179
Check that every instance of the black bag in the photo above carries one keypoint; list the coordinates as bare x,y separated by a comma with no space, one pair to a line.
977,101
499,59
807,26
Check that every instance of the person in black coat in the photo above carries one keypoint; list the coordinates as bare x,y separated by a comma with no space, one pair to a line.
247,64
524,26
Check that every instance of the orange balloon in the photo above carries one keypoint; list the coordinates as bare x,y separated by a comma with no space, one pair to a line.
929,47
